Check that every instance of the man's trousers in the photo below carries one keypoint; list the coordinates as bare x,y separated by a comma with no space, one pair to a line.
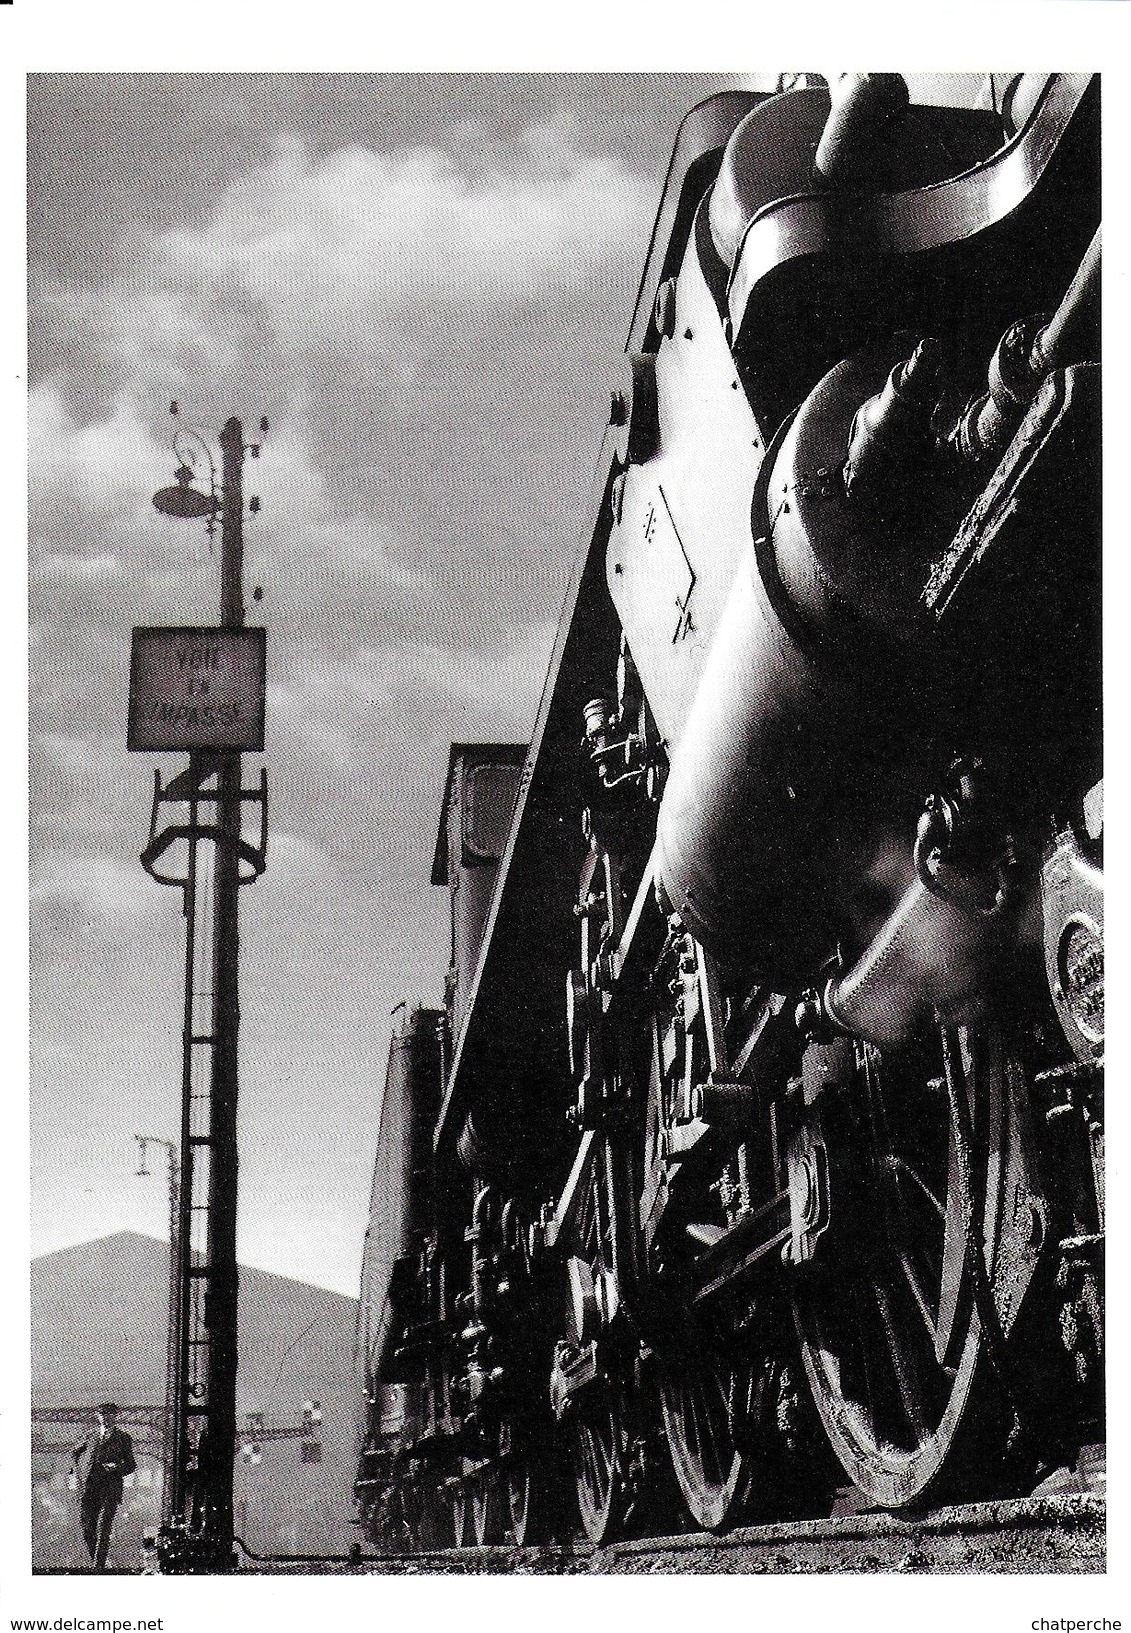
99,1505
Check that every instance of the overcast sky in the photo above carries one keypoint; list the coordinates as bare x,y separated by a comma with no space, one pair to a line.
424,282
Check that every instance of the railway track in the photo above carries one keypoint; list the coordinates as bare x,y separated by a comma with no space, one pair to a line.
1059,1532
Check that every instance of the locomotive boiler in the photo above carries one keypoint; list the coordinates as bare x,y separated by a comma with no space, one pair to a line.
756,1154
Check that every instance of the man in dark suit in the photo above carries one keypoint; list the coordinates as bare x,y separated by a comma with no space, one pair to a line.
102,1461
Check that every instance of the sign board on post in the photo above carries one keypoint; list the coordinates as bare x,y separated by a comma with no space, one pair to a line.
197,689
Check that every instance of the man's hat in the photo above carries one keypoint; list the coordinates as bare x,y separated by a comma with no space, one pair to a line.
107,1409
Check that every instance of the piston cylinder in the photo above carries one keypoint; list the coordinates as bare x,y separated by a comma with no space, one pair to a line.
806,742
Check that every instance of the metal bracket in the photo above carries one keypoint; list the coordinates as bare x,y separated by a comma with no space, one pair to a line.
185,789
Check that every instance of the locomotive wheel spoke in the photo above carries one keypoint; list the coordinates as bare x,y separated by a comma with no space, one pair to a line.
904,1170
431,1516
865,1332
890,1338
903,1364
519,1503
918,1297
526,1482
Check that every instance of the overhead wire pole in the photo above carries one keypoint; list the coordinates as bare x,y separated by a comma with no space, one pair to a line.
222,1301
202,690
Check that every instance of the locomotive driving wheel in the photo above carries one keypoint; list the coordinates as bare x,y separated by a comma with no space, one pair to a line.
596,1427
526,1478
888,1320
598,1444
488,1507
460,1527
525,1434
709,1391
704,1400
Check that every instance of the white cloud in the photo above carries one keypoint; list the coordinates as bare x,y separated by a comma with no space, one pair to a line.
321,241
98,888
85,569
85,756
326,249
309,535
106,465
158,329
296,864
336,706
507,679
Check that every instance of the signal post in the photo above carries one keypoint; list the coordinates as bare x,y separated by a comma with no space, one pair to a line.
202,690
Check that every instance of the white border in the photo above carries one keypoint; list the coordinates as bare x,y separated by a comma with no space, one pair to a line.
49,36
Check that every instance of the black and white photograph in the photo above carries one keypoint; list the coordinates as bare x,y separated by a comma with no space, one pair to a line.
566,826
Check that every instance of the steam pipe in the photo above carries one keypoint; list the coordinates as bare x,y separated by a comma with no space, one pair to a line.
862,104
1053,346
1023,358
928,960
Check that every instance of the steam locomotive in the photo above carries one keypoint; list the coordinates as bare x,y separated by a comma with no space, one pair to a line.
756,1152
